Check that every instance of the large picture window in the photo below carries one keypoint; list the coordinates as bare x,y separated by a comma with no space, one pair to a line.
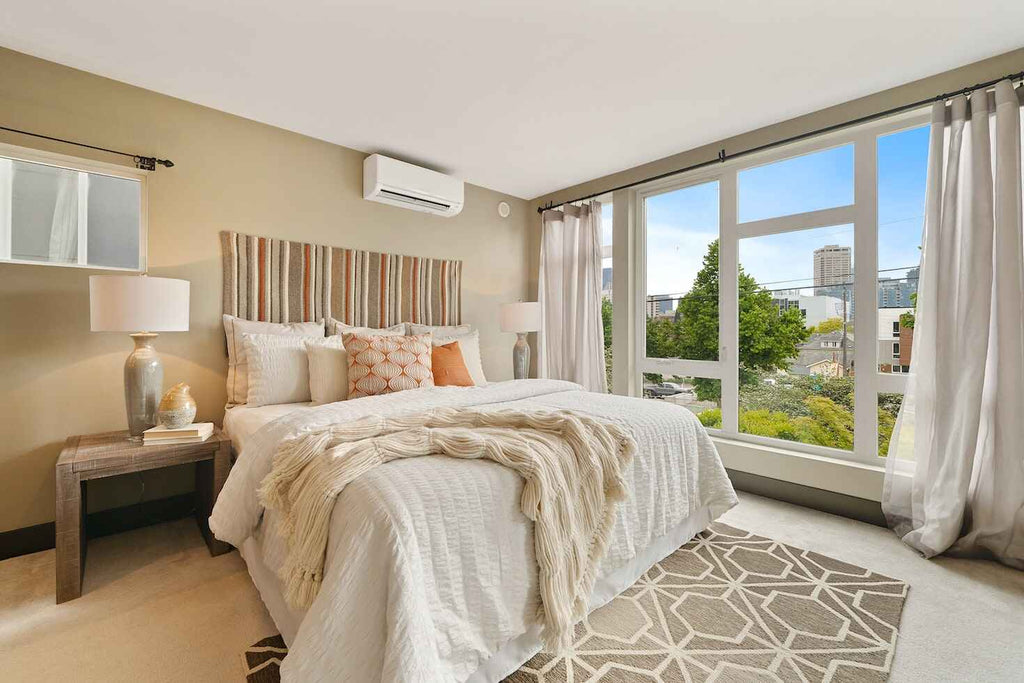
777,292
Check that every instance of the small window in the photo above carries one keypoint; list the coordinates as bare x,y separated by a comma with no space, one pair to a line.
62,215
895,328
896,350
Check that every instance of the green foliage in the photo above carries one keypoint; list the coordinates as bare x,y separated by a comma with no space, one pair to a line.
886,423
606,323
890,403
769,338
775,424
828,325
711,418
781,397
829,424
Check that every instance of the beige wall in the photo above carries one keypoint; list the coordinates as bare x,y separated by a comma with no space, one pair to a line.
58,379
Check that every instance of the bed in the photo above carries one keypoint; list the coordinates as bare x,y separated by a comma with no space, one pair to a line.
430,573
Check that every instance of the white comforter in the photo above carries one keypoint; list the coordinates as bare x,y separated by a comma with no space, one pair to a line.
430,568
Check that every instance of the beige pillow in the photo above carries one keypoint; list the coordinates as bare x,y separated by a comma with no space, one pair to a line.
278,369
470,345
386,364
336,327
328,369
439,330
238,370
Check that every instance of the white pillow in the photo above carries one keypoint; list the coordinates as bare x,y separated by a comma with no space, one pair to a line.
328,370
440,330
336,327
470,345
234,328
278,369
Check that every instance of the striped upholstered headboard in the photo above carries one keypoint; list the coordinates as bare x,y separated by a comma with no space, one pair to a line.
281,281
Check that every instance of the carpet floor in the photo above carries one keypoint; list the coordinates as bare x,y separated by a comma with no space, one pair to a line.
157,607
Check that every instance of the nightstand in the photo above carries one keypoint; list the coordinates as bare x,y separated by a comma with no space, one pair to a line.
106,455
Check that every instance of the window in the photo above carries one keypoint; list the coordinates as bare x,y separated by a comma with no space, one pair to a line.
791,279
810,182
60,211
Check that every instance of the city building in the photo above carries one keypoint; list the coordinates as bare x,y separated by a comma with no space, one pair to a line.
896,292
660,306
815,308
823,354
893,341
833,265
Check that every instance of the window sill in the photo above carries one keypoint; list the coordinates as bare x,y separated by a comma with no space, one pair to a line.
830,474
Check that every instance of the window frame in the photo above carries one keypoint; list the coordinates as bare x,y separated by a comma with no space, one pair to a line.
862,215
83,167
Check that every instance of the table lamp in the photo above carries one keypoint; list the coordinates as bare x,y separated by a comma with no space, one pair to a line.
141,305
521,317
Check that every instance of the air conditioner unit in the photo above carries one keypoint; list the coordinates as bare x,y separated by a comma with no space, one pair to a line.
395,182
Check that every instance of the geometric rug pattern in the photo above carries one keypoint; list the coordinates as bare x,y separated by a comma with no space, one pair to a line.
729,606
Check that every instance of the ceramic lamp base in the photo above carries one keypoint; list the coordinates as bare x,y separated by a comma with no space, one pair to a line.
521,357
143,381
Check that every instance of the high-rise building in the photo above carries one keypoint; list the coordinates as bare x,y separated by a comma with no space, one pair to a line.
660,307
833,265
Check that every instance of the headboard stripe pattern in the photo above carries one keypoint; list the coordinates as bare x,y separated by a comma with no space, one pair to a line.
282,281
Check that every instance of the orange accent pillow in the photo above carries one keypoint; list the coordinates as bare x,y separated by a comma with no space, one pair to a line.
382,365
449,367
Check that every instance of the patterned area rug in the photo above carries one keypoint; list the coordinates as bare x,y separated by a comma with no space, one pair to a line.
727,606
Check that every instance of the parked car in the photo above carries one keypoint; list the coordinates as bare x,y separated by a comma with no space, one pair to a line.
661,390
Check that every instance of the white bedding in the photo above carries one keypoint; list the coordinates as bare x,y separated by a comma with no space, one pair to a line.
241,422
430,572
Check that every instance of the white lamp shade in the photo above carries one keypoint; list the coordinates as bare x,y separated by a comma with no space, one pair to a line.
136,303
523,316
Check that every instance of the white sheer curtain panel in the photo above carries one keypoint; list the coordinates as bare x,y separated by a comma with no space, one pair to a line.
955,472
571,345
64,229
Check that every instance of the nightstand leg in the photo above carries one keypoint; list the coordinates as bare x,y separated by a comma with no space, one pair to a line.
210,478
70,533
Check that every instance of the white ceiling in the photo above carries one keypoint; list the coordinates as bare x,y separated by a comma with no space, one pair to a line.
522,96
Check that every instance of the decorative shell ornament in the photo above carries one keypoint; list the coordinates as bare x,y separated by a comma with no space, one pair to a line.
177,407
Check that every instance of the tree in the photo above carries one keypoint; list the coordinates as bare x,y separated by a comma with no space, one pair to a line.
828,325
606,323
769,337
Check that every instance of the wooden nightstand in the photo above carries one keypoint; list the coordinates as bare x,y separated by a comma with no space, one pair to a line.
105,455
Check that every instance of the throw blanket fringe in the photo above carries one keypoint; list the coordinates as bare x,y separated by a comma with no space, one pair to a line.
572,465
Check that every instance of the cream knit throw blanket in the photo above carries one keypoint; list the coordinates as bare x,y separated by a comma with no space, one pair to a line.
572,465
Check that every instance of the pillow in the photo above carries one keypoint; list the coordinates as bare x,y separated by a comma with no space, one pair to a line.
278,369
234,328
469,344
336,327
448,367
328,370
440,330
385,364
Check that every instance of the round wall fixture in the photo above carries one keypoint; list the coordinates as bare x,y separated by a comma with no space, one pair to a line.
504,209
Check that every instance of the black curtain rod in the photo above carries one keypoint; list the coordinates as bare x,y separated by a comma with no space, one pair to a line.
145,163
723,157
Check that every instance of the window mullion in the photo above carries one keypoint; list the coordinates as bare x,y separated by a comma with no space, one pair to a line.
83,218
865,418
728,302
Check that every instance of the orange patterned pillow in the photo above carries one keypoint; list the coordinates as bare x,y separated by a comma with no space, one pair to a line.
382,365
449,368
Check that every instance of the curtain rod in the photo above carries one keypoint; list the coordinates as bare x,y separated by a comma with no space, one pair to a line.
723,157
142,162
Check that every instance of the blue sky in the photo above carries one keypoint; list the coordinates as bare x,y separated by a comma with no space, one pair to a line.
682,223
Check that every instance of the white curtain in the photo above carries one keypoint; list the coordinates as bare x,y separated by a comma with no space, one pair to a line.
64,229
955,471
571,345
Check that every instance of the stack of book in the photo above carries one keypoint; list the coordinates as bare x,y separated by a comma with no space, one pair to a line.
193,433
